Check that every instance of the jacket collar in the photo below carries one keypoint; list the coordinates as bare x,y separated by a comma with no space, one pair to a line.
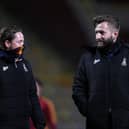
10,56
110,50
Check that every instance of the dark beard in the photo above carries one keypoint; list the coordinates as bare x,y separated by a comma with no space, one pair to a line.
106,43
107,47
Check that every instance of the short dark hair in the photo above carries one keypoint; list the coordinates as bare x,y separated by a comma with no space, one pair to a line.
114,21
8,33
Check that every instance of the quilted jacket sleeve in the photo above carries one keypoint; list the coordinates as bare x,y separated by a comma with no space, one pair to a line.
80,87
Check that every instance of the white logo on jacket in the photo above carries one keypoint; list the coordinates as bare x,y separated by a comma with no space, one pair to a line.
5,68
96,61
124,62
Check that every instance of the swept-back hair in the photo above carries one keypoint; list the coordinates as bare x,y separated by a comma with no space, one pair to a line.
114,21
8,33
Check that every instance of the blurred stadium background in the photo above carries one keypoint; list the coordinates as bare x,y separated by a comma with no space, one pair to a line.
55,31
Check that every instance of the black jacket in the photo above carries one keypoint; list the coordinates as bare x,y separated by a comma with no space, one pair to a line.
101,87
18,99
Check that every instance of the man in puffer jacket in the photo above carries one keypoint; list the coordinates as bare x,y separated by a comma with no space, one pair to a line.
101,83
18,98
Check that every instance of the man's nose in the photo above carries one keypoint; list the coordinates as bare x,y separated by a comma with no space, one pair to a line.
22,43
98,36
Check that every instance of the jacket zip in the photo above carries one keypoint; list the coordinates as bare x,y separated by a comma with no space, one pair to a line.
109,86
15,62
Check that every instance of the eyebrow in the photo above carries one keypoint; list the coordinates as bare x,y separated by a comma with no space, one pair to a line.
100,31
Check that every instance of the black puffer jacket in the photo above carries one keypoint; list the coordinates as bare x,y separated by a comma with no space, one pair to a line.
18,99
101,87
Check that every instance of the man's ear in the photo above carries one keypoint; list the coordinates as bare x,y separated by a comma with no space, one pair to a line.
7,44
115,35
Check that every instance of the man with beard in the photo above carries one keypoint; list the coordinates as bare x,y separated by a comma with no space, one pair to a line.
18,97
101,82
